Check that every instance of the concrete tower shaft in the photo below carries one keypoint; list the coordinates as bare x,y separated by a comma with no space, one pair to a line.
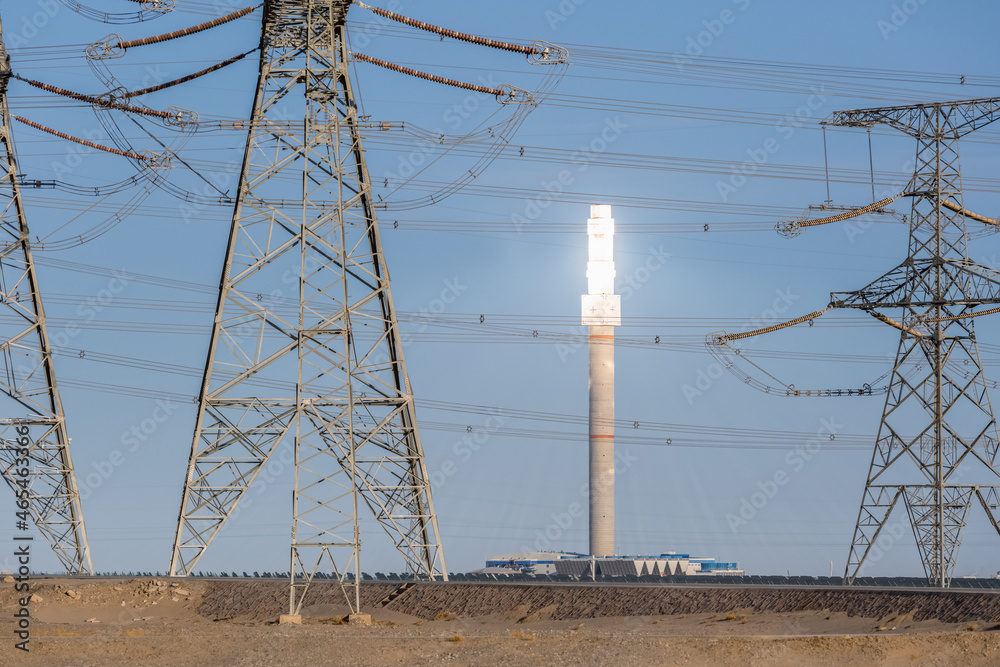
602,441
601,314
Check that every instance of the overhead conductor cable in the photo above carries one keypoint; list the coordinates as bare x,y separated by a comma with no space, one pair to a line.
718,345
151,9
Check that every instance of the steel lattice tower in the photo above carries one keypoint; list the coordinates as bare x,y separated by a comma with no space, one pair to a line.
936,448
305,314
28,385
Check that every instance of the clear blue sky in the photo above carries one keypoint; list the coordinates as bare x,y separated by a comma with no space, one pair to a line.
700,91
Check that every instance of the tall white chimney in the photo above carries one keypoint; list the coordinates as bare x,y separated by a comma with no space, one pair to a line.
601,314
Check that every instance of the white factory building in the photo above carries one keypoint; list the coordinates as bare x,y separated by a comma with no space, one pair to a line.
580,565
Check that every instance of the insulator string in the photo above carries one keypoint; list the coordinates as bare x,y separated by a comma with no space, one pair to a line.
770,329
145,41
947,203
84,142
424,75
189,77
445,32
103,102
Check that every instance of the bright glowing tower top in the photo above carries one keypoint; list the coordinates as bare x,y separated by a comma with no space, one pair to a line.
601,306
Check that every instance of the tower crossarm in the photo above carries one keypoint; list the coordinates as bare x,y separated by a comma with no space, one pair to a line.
961,116
909,285
283,19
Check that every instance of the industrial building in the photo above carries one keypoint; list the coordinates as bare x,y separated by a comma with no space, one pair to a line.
583,566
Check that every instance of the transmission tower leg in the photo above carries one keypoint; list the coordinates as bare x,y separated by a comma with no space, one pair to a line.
937,426
29,394
305,312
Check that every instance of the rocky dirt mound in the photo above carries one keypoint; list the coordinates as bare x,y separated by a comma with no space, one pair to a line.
264,600
109,601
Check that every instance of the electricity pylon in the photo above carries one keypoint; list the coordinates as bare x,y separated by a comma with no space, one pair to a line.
305,313
936,448
28,392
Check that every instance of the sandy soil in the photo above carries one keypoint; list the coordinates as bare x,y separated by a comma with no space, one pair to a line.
163,622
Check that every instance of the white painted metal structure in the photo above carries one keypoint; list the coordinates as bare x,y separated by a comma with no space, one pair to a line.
318,367
31,411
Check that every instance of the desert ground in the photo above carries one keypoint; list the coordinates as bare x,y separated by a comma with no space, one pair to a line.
179,622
